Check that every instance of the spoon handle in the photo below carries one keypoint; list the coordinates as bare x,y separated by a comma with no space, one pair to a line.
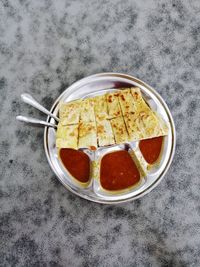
26,98
35,121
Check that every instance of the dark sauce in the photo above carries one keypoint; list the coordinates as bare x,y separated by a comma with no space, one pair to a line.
77,163
118,171
151,148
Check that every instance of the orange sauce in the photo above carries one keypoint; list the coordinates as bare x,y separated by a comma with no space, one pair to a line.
118,171
77,163
93,148
151,148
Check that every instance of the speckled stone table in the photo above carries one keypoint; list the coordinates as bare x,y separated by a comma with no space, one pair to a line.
45,46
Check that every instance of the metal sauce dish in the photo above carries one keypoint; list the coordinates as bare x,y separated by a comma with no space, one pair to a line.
95,85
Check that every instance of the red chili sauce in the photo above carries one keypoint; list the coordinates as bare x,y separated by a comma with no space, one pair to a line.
118,171
151,148
77,163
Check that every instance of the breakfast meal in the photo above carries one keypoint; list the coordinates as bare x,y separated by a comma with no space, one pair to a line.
115,118
109,137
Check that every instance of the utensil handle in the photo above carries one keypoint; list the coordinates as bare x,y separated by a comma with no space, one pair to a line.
26,98
35,121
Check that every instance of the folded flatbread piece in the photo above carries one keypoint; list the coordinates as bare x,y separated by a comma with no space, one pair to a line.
87,110
67,136
87,135
104,133
142,122
114,109
126,102
119,130
100,107
133,126
69,113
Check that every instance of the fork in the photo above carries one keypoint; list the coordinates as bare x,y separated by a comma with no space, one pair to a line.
28,99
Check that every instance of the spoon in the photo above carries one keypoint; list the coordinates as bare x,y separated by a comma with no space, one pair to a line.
35,121
28,99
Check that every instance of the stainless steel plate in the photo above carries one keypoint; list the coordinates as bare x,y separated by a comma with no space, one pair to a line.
95,85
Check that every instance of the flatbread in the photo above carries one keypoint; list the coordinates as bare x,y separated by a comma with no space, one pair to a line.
151,126
104,133
134,127
104,120
104,130
136,94
114,109
100,106
141,106
163,124
67,136
69,113
148,122
143,125
126,102
119,130
139,161
139,103
87,135
87,110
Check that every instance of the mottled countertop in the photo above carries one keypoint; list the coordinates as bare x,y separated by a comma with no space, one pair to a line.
45,46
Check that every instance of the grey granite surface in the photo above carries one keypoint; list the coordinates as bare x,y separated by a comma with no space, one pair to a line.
46,45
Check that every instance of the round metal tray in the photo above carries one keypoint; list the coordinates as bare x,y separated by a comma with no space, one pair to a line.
94,85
